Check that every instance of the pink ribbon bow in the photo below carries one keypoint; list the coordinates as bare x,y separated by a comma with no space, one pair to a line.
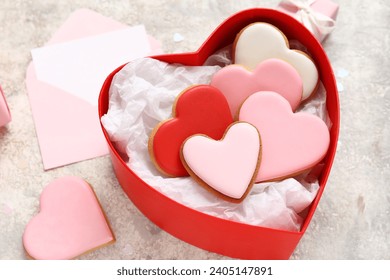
320,25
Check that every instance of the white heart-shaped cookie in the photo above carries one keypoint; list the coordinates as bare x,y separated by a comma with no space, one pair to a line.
260,41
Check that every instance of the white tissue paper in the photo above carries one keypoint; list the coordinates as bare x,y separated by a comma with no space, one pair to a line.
141,96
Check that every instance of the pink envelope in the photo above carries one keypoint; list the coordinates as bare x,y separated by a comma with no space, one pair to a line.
68,127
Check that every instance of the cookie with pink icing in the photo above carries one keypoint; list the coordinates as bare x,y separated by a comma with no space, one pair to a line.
228,166
291,142
237,83
70,223
260,41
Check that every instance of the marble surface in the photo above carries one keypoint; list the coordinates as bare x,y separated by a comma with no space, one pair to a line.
353,217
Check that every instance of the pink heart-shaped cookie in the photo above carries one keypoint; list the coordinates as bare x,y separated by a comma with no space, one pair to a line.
228,166
70,223
237,83
291,143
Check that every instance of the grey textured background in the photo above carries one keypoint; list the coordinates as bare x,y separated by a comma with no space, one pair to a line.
353,217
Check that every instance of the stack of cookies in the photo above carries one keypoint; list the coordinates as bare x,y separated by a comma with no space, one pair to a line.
242,129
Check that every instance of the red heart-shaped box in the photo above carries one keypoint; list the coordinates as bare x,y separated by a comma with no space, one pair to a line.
218,235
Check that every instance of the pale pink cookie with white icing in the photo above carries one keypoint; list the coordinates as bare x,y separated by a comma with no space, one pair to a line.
70,223
237,83
291,142
260,41
228,166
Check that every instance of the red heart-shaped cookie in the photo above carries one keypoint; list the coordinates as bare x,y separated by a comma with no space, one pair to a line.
198,109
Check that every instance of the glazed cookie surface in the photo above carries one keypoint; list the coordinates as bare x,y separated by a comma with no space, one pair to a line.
260,41
70,223
227,166
237,83
291,142
198,109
